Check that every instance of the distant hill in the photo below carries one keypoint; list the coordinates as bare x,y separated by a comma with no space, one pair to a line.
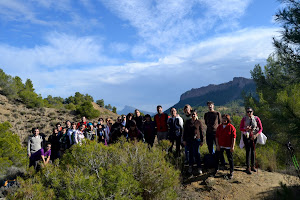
220,94
130,109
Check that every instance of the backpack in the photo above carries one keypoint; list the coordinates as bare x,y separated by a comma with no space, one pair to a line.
209,161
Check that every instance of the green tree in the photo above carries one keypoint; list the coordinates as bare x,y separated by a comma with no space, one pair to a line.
31,99
114,109
108,107
87,109
278,83
29,85
288,45
100,102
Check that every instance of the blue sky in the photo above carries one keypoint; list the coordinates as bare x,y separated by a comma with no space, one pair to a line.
134,52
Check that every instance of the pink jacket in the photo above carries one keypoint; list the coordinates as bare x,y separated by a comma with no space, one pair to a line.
259,125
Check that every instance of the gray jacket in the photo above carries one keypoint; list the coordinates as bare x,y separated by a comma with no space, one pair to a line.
35,143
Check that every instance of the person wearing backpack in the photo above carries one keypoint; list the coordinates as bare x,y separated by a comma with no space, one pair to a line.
250,127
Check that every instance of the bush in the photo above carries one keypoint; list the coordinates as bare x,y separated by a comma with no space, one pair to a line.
11,151
94,171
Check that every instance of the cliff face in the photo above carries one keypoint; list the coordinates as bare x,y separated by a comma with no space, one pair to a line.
221,94
238,82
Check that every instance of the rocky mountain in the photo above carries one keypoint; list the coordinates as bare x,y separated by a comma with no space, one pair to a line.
220,94
130,109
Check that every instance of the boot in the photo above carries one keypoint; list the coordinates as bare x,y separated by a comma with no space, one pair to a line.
248,170
253,169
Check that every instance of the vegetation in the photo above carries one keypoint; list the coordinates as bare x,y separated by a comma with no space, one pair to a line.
14,89
86,109
278,83
100,102
11,151
94,171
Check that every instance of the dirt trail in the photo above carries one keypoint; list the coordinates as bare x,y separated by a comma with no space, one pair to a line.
261,185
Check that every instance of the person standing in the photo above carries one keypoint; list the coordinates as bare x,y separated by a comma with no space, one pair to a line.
193,139
212,120
79,134
83,121
55,145
161,124
225,141
175,123
138,119
35,143
149,130
187,115
71,134
250,127
123,119
134,134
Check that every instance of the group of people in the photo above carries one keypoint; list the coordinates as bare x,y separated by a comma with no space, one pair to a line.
184,131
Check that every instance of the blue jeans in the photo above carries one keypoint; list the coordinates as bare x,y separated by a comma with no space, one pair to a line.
194,153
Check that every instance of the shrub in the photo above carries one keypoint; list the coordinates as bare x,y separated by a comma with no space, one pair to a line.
70,106
94,171
11,151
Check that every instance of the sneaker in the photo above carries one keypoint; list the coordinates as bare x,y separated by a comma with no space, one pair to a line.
248,171
253,169
190,170
200,170
230,176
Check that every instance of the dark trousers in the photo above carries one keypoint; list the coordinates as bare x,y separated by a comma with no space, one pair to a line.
211,141
229,157
176,139
250,150
194,153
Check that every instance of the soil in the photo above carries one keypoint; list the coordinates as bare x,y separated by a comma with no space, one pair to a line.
258,185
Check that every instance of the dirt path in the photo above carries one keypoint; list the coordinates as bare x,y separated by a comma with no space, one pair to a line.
261,185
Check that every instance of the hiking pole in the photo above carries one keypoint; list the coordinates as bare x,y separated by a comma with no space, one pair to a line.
293,156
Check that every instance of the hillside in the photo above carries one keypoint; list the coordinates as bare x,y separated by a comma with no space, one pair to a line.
24,119
220,94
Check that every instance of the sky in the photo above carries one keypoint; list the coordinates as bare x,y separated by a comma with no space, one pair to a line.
140,53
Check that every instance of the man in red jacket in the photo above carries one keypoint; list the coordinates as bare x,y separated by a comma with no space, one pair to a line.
161,124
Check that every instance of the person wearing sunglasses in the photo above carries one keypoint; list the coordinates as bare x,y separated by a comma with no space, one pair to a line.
250,127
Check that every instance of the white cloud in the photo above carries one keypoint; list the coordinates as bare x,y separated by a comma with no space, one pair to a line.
140,82
14,10
61,50
119,47
168,24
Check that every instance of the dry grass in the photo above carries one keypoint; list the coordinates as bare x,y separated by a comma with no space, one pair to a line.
23,119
